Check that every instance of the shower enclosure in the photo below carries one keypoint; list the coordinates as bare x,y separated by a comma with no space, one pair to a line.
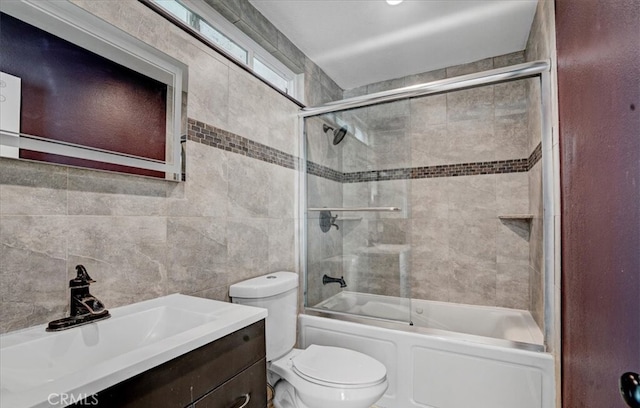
430,192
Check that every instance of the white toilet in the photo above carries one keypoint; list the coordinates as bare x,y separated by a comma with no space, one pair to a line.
318,377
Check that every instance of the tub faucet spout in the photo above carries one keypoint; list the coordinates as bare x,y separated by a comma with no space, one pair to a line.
328,279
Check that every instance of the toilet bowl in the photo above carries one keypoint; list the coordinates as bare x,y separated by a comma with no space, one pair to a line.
318,376
322,376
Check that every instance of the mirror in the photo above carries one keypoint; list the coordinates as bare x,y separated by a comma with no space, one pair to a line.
79,91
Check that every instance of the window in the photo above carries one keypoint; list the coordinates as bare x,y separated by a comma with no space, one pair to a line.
223,34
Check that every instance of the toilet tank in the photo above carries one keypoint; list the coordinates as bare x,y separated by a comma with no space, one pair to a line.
278,293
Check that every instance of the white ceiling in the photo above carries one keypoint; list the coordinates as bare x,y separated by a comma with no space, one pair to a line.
359,42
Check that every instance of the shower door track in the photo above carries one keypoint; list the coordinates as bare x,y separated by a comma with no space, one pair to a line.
528,69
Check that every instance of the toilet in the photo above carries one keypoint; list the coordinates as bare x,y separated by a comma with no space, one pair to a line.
318,376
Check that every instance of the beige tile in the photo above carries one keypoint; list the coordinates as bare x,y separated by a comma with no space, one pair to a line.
474,283
472,197
473,241
512,288
471,141
470,104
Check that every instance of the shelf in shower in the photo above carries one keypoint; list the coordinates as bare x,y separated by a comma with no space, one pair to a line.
354,209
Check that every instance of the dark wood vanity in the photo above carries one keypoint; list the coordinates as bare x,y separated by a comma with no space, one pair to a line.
225,373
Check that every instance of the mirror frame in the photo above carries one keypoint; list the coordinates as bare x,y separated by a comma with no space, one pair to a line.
76,25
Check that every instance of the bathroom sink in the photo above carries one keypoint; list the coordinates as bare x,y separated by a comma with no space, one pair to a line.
36,366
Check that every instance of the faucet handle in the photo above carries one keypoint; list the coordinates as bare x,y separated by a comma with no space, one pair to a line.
82,279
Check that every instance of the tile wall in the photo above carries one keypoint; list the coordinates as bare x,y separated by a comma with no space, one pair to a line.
453,163
233,218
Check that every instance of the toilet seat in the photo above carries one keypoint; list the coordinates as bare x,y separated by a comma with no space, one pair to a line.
338,367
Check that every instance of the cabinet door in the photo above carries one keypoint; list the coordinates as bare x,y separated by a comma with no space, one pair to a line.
247,390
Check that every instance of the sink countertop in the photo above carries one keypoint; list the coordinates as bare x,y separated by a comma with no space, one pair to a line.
36,365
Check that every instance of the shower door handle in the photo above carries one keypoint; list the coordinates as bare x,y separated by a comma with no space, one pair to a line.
630,389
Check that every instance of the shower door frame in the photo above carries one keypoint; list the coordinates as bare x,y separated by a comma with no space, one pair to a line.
550,169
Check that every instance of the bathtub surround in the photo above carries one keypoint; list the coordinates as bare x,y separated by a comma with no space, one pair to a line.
454,163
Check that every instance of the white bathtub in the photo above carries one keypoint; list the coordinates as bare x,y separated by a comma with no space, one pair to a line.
486,321
454,356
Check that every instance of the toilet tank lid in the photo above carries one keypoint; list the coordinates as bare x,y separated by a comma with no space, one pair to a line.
264,286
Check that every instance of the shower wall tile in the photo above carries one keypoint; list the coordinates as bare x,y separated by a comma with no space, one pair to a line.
431,279
473,240
391,193
472,197
430,198
431,240
470,68
512,193
427,111
512,242
470,104
510,98
425,77
320,149
536,296
430,146
474,283
389,149
512,286
471,141
511,136
506,60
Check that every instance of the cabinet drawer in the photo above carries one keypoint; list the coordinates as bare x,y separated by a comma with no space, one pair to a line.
248,387
183,380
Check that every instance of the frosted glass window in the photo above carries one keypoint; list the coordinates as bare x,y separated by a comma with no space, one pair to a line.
200,25
270,75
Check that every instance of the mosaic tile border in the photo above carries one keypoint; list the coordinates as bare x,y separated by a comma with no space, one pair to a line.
209,135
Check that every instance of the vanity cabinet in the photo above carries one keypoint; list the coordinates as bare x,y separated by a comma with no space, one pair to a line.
225,373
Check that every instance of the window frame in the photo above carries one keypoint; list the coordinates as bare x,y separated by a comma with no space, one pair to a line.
294,89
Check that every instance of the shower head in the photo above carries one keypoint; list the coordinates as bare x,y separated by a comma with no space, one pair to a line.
338,134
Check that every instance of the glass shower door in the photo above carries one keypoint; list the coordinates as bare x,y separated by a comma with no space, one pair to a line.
358,254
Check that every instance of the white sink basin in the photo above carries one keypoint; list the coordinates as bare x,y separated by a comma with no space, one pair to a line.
39,367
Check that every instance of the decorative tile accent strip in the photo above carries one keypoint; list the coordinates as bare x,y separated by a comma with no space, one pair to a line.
221,139
324,172
535,156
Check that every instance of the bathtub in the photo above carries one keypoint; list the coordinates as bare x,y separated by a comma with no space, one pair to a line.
452,356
